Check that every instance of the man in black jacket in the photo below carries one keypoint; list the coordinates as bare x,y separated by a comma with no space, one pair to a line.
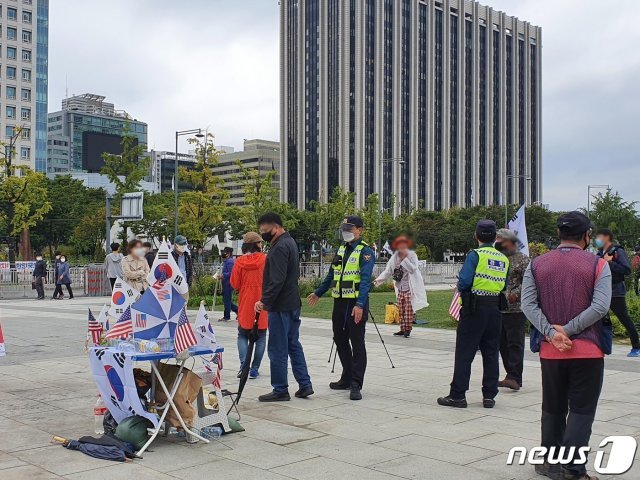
281,299
39,274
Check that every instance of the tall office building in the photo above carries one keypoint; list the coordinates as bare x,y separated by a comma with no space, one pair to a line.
261,155
84,129
433,103
24,47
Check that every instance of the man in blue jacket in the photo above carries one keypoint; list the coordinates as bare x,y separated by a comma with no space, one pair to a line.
227,291
350,281
620,268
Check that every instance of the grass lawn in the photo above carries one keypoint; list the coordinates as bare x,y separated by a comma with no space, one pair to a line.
436,314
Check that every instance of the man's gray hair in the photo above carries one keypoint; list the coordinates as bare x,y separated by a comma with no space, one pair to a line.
507,234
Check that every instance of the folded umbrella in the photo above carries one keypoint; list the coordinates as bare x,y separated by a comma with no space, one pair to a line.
104,452
246,365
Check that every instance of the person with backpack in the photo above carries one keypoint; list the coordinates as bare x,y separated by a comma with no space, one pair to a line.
246,277
620,267
565,295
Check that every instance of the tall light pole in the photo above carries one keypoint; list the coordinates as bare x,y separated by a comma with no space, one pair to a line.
506,203
589,188
198,133
399,161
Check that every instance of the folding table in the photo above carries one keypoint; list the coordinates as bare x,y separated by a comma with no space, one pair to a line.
153,359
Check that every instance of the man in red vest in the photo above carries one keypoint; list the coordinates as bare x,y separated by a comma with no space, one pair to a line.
565,295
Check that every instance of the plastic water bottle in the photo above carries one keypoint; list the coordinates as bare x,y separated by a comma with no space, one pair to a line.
99,410
212,432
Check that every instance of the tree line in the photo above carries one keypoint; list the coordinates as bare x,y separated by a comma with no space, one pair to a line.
43,214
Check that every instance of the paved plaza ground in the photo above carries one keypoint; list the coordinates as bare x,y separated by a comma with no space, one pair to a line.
397,431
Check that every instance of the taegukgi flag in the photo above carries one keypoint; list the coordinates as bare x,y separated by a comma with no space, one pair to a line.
121,297
519,226
165,271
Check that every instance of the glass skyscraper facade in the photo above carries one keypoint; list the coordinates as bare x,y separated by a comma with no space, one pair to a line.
451,88
24,52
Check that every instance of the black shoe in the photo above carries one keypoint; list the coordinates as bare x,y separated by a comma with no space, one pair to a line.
304,392
356,392
339,386
398,334
551,471
452,402
71,297
224,319
239,373
275,397
488,402
407,334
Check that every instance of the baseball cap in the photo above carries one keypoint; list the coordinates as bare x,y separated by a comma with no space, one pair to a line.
251,237
180,240
486,227
353,220
574,223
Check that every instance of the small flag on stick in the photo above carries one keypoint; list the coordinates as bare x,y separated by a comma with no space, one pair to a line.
455,307
95,329
185,337
123,327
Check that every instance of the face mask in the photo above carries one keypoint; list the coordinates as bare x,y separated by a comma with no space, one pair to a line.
348,236
139,252
267,236
57,257
38,258
181,248
498,246
599,242
587,241
62,260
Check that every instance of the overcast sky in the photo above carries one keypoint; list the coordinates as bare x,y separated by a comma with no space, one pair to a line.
214,64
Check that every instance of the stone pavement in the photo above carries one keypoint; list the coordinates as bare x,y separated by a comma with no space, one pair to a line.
397,431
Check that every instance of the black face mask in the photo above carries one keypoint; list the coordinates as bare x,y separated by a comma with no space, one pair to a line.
498,246
267,236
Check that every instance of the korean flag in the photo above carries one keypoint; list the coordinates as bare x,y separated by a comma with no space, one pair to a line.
165,271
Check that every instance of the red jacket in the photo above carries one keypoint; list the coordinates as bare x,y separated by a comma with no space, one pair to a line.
246,277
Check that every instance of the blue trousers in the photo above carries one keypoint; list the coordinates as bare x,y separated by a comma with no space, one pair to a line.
227,300
243,346
284,344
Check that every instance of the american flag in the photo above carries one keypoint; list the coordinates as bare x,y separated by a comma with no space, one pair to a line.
454,309
163,294
217,380
185,337
95,329
123,327
141,320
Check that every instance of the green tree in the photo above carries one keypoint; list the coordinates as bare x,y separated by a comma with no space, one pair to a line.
23,194
128,169
610,210
89,235
201,211
70,202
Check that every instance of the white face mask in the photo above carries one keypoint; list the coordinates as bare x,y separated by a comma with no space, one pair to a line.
348,236
38,258
139,252
181,248
62,259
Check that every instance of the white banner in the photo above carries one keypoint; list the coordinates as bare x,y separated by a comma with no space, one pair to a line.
519,226
113,373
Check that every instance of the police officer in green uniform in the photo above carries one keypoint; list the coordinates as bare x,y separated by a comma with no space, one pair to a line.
350,281
482,278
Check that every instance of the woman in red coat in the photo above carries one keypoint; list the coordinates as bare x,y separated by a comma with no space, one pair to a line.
246,277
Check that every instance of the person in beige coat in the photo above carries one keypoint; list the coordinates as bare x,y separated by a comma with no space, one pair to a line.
135,267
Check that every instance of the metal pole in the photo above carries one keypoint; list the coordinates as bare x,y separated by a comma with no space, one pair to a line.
108,218
175,191
380,203
588,200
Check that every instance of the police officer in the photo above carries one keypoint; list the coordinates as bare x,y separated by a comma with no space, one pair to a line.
482,278
350,281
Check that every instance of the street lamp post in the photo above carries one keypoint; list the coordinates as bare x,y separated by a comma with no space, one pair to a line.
399,161
589,187
506,203
198,133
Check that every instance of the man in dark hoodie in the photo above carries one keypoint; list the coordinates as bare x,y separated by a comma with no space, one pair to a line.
113,264
39,274
281,298
57,292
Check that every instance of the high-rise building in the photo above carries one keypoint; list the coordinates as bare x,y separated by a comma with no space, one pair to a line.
84,129
262,155
24,34
163,169
431,103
